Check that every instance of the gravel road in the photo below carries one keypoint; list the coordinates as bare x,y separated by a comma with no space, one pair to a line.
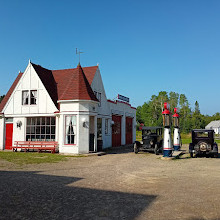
119,185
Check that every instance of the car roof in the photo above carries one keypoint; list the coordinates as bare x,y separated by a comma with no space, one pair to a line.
203,130
150,128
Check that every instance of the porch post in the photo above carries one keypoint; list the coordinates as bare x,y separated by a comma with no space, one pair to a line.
95,133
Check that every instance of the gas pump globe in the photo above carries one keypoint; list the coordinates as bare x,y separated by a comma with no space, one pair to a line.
176,118
176,135
166,115
167,141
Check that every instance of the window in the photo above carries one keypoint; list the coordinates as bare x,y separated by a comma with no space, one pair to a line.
25,97
99,128
106,126
41,129
98,96
33,97
29,97
70,130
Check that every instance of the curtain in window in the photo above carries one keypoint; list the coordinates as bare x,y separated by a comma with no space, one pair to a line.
34,94
25,97
70,129
33,97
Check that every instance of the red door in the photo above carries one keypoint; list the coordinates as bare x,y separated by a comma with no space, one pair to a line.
116,131
9,135
129,130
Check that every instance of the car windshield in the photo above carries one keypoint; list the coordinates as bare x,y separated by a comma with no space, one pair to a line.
149,132
202,134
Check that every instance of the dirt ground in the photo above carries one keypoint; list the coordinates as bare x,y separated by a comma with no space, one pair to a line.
119,185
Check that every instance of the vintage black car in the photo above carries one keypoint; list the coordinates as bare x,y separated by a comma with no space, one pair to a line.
203,143
151,140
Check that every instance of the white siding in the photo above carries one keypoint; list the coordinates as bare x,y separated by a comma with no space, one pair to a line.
29,81
97,85
2,131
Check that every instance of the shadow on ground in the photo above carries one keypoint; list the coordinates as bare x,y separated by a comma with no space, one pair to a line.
30,195
120,150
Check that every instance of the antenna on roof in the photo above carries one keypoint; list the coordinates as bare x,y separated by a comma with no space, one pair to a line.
78,52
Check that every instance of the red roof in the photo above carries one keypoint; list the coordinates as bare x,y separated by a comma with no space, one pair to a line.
6,98
67,84
73,84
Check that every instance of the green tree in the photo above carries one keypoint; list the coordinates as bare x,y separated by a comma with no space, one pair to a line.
1,98
150,113
173,100
197,119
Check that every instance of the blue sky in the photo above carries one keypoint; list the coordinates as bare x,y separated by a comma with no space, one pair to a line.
142,47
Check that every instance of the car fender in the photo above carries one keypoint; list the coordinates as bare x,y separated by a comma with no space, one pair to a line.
191,147
137,143
215,147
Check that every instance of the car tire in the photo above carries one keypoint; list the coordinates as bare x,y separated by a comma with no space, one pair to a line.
135,148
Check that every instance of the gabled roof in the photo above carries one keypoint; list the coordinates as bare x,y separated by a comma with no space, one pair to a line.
66,84
73,84
48,80
10,91
213,124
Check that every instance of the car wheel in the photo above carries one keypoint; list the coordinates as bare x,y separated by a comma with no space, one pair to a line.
135,148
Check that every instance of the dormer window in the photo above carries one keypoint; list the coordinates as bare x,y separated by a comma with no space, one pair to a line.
29,97
98,96
33,97
25,97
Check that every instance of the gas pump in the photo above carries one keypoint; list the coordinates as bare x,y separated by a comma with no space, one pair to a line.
167,141
176,135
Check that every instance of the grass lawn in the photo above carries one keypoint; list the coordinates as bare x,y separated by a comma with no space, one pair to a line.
31,158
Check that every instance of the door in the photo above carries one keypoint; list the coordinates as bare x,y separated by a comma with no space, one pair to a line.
129,130
9,136
99,134
91,133
116,131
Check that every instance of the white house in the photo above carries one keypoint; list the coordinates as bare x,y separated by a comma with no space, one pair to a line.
215,125
68,106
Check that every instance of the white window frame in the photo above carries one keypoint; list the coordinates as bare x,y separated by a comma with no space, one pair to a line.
34,93
25,96
28,96
35,123
74,127
98,95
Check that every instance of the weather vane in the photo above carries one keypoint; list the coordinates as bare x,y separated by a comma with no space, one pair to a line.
78,52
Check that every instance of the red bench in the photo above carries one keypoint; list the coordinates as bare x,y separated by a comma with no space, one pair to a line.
36,145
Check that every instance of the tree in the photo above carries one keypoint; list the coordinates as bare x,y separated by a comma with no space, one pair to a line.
197,119
150,113
1,98
197,111
173,100
138,115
